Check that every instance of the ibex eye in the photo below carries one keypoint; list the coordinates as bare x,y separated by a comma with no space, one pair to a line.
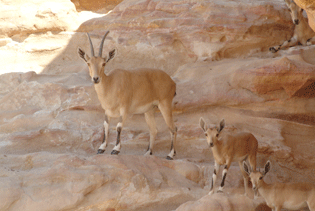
103,64
260,178
206,134
217,135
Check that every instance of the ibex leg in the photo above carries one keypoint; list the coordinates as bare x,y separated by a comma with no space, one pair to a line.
119,127
103,146
166,110
149,118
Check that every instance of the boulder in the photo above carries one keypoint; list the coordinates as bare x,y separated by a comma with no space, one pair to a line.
222,202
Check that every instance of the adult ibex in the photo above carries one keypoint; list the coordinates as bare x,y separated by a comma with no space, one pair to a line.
126,92
303,34
291,196
227,147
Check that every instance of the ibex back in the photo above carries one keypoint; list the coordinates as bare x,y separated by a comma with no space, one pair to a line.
126,92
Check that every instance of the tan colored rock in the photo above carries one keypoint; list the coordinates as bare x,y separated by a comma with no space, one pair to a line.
35,16
97,6
222,202
58,182
51,122
153,33
294,77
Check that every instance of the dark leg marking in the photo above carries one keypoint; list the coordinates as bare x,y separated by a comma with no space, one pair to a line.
115,152
172,146
101,151
222,183
149,149
224,176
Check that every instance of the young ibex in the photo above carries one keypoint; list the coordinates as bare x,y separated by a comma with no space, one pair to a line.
291,196
123,93
303,34
227,147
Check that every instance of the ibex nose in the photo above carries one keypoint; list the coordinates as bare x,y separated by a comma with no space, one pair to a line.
96,79
296,21
211,144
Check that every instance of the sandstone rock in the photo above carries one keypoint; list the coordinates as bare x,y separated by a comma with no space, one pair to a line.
35,16
58,182
51,122
152,33
96,6
222,202
294,77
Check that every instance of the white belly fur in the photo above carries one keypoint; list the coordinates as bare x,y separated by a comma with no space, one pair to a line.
294,206
134,110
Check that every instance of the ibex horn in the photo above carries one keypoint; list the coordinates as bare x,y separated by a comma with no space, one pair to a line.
102,43
91,45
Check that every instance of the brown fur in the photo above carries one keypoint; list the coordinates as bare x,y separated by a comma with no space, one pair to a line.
126,92
292,196
303,34
227,148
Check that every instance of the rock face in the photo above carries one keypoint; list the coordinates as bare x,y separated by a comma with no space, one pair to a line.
21,18
71,182
221,202
51,122
97,6
168,34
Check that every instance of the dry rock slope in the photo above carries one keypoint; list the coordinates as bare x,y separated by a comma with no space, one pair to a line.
51,122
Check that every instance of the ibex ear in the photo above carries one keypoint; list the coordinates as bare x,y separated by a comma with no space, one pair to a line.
111,55
222,125
267,167
83,55
246,168
203,124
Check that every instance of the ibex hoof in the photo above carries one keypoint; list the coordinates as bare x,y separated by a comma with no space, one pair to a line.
169,158
272,49
115,152
100,151
148,153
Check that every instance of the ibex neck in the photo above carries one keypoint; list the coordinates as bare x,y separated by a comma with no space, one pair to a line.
101,87
264,189
303,21
217,148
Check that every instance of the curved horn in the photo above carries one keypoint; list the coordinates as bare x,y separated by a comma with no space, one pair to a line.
102,43
91,45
